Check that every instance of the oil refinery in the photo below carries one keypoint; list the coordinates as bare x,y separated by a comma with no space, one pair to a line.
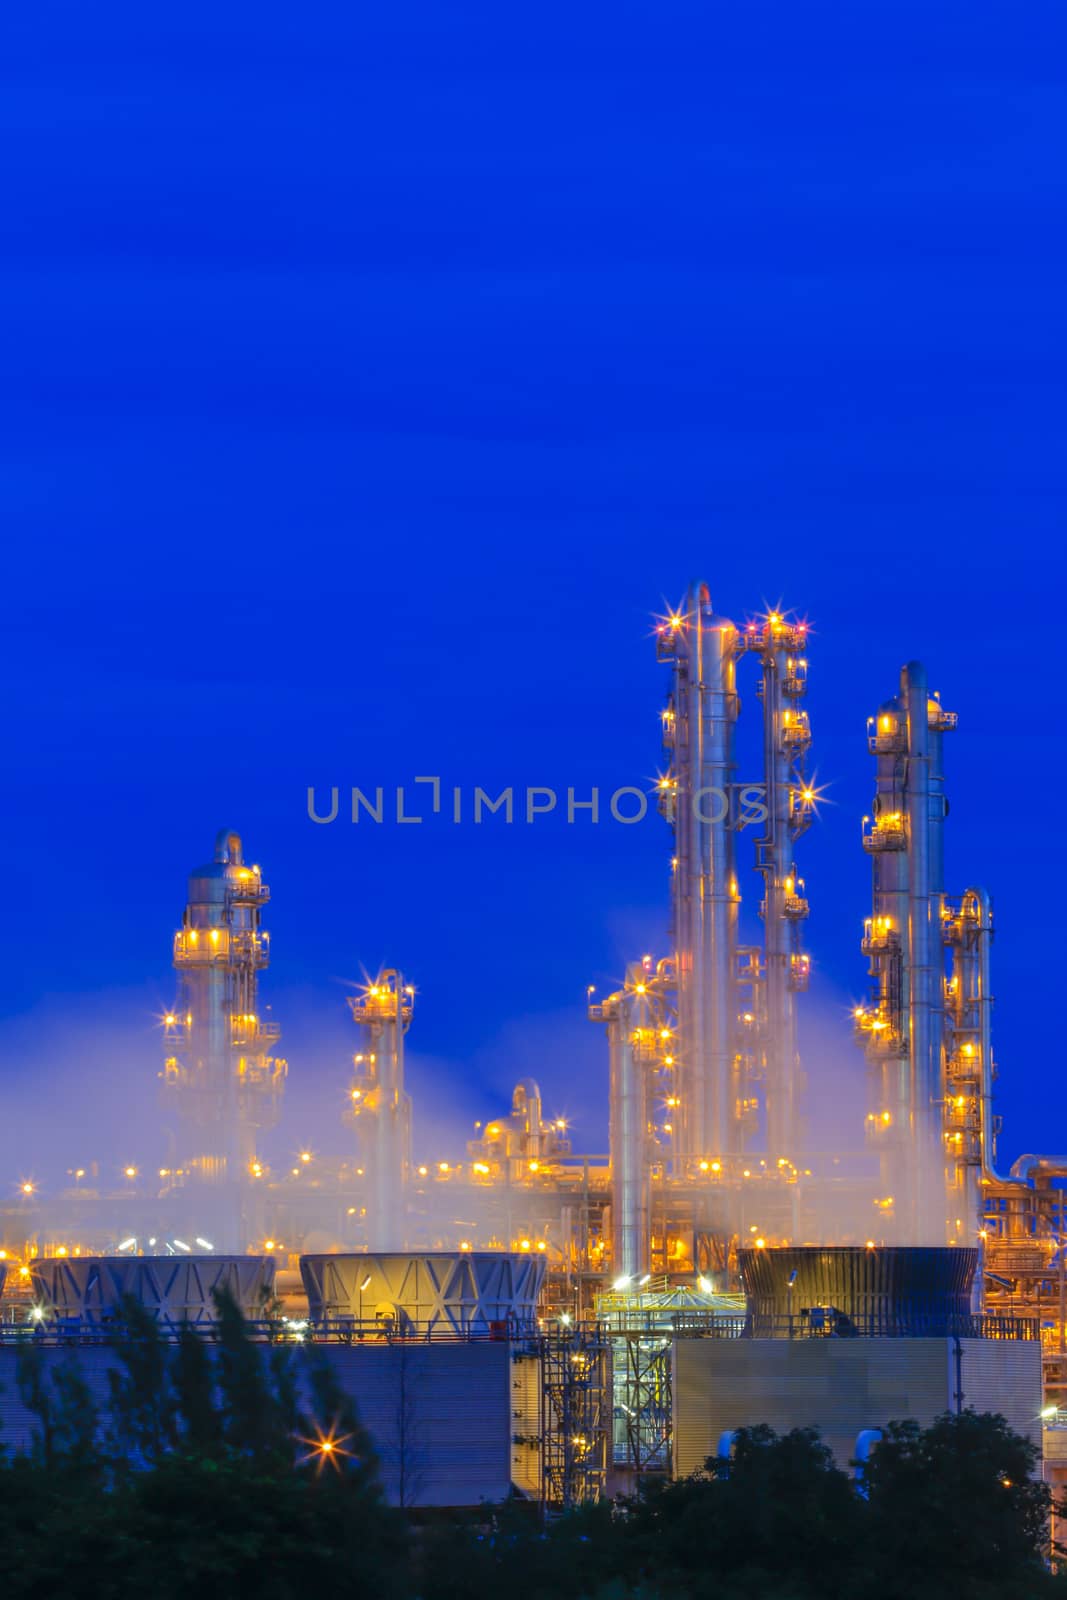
600,1318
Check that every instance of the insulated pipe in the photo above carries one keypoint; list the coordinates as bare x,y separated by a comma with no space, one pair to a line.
221,1074
780,1047
703,647
628,1133
630,1019
979,902
890,907
385,1008
781,642
923,972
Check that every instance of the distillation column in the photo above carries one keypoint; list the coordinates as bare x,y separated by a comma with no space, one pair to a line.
382,1108
637,1031
789,802
220,1073
970,1124
903,1029
695,795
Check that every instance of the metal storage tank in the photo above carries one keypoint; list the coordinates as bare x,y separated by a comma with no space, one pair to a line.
872,1290
444,1292
175,1289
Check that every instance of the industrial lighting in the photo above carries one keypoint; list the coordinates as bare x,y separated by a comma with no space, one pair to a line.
204,1244
704,1285
646,1279
565,1319
27,1188
1048,1412
327,1447
365,1285
37,1313
622,1283
305,1155
128,1244
131,1172
181,1245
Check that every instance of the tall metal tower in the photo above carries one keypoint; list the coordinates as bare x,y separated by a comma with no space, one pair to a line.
789,802
736,1004
381,1107
698,725
903,1029
220,1072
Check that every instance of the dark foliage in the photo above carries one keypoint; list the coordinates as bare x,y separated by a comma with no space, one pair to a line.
217,1477
220,1476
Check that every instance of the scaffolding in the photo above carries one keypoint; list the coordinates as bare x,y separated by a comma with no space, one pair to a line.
575,1416
640,1326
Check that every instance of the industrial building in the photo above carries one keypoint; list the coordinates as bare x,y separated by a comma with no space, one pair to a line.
626,1315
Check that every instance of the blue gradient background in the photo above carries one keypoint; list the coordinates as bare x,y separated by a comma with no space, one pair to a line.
371,374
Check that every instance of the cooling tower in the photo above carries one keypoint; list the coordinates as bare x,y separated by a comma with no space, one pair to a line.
848,1290
443,1292
174,1289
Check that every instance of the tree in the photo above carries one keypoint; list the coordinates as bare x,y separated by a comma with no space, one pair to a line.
956,1506
778,1510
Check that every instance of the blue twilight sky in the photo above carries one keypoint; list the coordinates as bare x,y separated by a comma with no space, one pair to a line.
370,374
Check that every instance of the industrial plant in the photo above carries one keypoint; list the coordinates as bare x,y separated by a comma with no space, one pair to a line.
590,1321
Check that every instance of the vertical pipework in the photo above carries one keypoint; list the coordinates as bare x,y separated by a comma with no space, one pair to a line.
789,802
221,1075
381,1106
925,812
903,1029
632,1015
695,797
970,1124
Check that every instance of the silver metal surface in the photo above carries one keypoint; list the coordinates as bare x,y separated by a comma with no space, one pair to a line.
454,1291
175,1289
702,711
381,1106
221,1073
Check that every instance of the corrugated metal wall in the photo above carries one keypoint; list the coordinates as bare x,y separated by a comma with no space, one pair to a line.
526,1388
839,1386
439,1414
1005,1376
